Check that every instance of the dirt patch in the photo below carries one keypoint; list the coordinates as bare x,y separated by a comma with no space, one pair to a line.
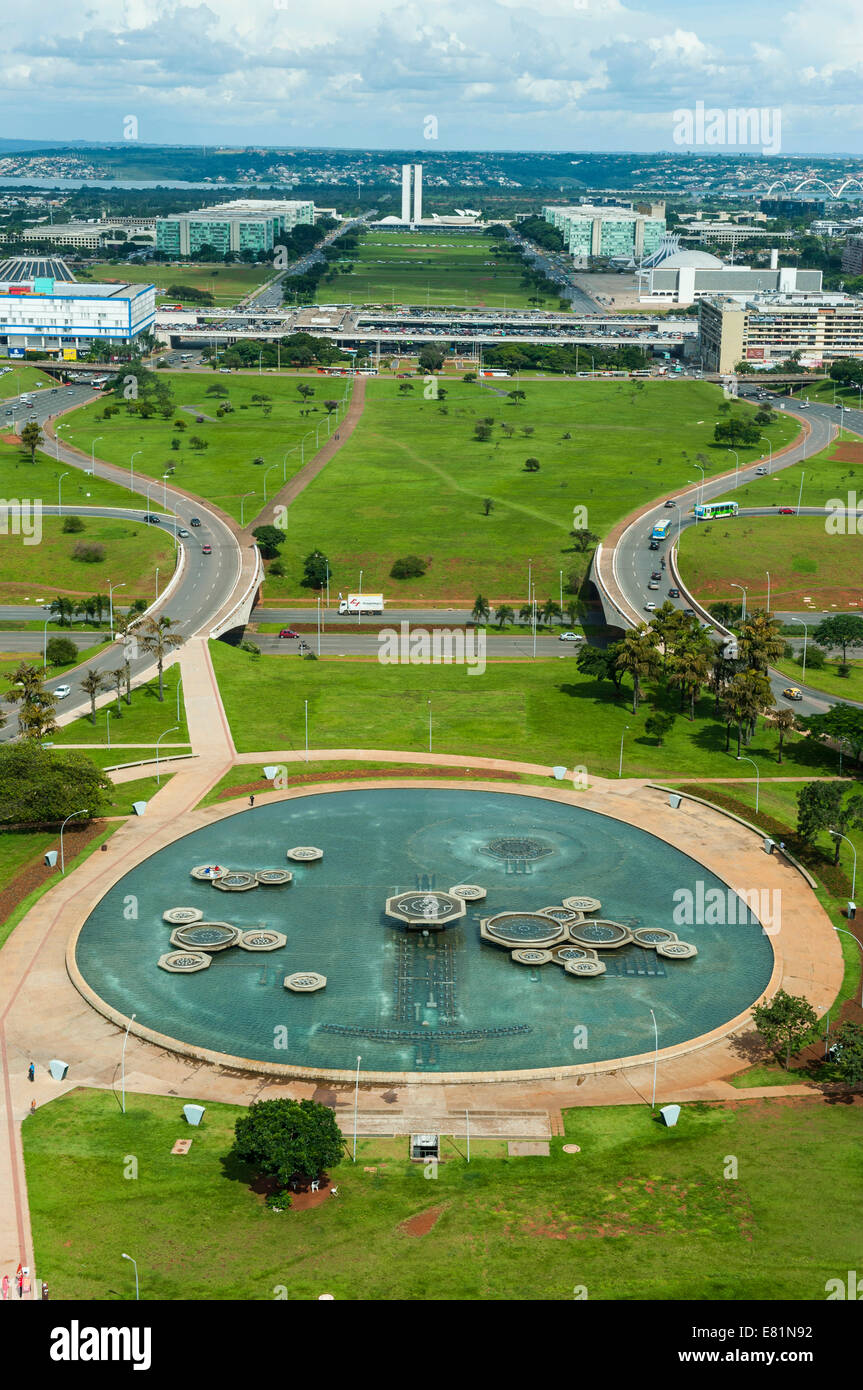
423,1222
847,453
34,874
10,439
300,1201
296,780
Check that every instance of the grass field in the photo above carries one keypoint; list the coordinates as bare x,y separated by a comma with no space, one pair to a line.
543,712
132,549
21,378
40,843
642,1212
412,480
827,679
40,480
803,560
226,283
429,268
140,722
824,478
225,470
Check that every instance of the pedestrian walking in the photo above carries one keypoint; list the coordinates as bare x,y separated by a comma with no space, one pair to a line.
45,1294
19,1279
251,801
5,1287
31,1072
33,1107
25,1284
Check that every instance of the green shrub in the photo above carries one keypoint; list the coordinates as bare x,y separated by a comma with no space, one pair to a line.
72,525
89,552
411,567
61,651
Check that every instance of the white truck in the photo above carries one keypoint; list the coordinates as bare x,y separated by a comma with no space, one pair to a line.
361,603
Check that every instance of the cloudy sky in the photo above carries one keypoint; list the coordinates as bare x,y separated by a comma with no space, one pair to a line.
497,74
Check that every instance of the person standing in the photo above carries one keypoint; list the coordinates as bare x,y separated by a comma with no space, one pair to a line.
45,1294
25,1284
31,1072
251,801
19,1279
5,1287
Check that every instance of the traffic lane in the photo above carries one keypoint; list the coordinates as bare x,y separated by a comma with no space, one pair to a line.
422,617
46,404
35,641
369,644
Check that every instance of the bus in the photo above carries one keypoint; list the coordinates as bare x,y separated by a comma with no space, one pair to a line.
660,531
706,511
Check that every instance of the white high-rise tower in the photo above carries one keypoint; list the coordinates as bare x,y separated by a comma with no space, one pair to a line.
406,193
418,193
412,172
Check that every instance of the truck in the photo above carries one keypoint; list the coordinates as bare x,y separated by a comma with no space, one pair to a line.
361,603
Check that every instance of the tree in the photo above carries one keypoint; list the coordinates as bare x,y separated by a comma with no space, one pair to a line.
63,609
842,630
584,539
531,465
72,525
410,567
482,431
158,640
822,806
637,655
269,539
88,551
61,651
516,396
760,641
487,505
430,358
405,387
37,706
117,678
286,1139
847,1052
92,684
601,662
736,431
785,723
549,611
658,724
842,724
504,614
41,786
787,1023
330,406
31,438
690,668
746,696
481,610
315,570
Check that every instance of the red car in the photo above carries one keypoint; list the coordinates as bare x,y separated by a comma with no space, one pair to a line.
206,550
786,511
288,632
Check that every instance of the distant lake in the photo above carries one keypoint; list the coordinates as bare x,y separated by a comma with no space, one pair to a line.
132,183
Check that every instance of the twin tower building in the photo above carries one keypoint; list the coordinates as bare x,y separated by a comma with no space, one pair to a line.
412,173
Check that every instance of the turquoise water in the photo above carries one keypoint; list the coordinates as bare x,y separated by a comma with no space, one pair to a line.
453,1003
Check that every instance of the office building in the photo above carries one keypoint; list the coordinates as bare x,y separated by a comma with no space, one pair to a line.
612,233
247,224
61,317
852,256
767,328
683,275
412,175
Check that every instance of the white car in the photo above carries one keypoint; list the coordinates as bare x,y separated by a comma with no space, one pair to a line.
650,608
62,691
570,637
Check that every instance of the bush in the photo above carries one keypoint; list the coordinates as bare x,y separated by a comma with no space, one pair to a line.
816,659
61,651
251,648
72,525
89,552
277,569
310,656
411,567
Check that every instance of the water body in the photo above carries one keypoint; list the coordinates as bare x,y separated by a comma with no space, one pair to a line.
451,1003
151,184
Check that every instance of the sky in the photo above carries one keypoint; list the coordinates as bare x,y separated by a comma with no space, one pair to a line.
494,74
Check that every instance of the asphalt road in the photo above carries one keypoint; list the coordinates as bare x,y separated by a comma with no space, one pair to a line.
368,643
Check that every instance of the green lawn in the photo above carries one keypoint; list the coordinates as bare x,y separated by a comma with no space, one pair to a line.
428,267
827,679
412,480
131,549
36,843
642,1212
40,479
141,722
226,283
802,558
21,378
823,476
225,470
303,774
544,712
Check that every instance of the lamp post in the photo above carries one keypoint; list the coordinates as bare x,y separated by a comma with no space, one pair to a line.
805,640
770,454
45,644
846,932
165,477
742,758
93,443
620,761
319,624
132,469
111,588
736,466
767,572
175,730
60,492
108,728
742,588
561,595
62,828
837,835
135,1263
529,580
430,724
123,1066
266,475
800,493
356,1105
243,507
285,463
701,487
655,1058
179,683
306,703
149,490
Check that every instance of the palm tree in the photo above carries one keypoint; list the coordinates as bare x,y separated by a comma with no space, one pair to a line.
785,723
24,681
37,705
481,610
63,609
549,611
93,684
157,640
760,641
690,668
504,614
123,629
525,613
638,656
722,671
117,678
84,609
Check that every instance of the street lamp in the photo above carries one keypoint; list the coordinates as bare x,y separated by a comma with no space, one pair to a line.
165,477
742,588
430,724
62,828
135,1263
175,730
45,644
111,588
93,443
846,932
266,475
767,572
655,1058
242,507
356,1105
620,762
149,490
123,1066
736,466
306,703
108,728
742,758
770,455
179,683
805,640
132,469
837,834
701,488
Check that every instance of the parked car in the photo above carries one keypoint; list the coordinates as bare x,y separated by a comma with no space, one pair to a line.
570,637
288,632
62,691
195,521
786,511
792,693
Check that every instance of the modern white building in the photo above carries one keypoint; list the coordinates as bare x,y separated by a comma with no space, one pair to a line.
412,175
683,275
64,317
